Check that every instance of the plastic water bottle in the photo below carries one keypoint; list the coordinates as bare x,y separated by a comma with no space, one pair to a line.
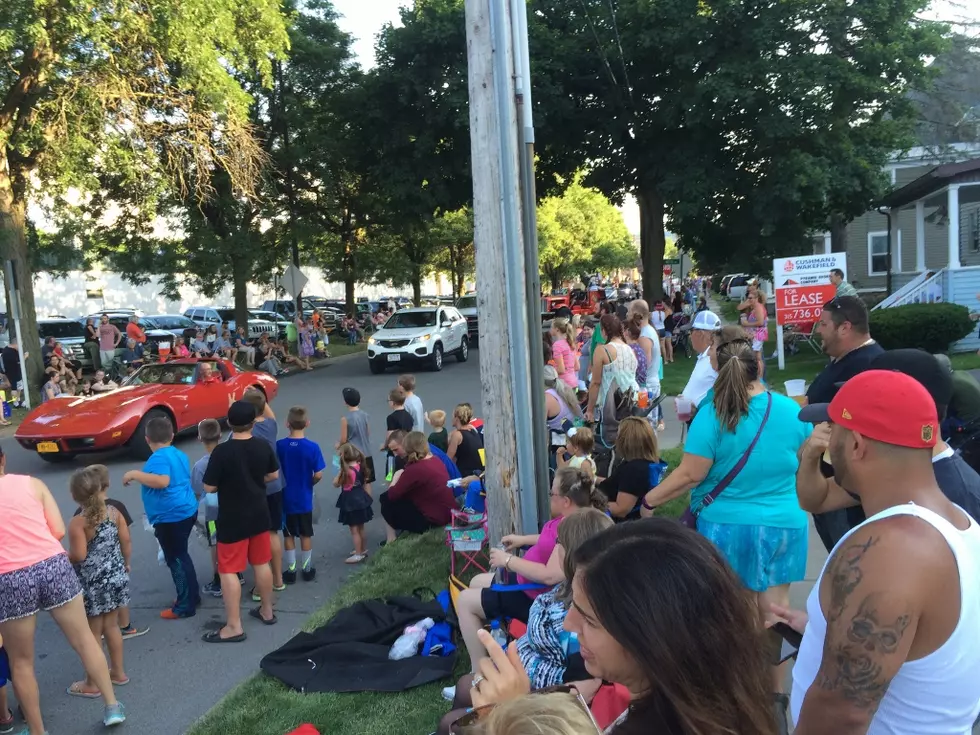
498,634
411,640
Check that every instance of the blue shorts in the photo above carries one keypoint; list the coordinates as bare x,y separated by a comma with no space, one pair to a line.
4,671
762,556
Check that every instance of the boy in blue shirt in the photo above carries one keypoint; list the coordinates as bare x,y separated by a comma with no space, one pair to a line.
171,508
301,464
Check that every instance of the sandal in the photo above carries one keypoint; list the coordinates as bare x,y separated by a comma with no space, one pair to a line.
214,636
120,683
256,612
75,690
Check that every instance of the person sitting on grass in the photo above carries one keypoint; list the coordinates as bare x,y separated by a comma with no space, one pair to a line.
132,356
418,498
52,388
541,564
199,347
549,655
223,347
238,471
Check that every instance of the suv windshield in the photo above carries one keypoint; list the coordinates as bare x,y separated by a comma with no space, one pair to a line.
171,322
411,320
466,302
61,330
226,315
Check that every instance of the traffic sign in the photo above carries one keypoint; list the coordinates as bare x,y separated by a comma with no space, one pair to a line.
294,281
672,261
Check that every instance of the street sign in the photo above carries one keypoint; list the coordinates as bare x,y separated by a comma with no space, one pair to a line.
293,281
802,286
672,261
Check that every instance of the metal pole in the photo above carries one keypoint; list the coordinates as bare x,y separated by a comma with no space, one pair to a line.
532,273
14,289
514,264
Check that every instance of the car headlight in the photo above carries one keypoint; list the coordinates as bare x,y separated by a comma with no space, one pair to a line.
421,338
371,340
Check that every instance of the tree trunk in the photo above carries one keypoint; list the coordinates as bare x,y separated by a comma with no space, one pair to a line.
417,284
239,289
13,246
838,234
653,242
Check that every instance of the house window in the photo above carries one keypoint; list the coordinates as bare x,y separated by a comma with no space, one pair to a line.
974,219
878,253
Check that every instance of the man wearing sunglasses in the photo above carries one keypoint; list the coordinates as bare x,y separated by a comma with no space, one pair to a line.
843,328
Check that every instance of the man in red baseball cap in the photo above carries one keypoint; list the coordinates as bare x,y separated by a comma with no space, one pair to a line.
894,619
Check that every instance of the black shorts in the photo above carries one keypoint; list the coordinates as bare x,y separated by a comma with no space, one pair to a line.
274,502
368,471
299,525
404,515
662,333
505,604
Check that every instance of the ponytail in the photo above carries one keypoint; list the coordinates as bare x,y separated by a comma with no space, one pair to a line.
579,487
738,368
567,330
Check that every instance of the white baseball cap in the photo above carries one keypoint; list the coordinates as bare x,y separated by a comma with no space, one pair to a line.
707,321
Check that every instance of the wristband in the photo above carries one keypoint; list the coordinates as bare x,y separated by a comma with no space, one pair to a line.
643,503
507,563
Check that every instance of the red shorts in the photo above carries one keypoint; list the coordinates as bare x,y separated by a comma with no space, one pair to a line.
234,558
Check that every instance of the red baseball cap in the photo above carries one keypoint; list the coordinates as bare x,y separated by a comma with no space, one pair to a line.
883,405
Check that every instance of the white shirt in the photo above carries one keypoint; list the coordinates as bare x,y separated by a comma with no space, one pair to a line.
702,379
653,369
935,695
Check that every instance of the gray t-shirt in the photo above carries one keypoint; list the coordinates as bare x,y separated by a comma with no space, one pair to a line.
413,404
197,484
268,431
358,432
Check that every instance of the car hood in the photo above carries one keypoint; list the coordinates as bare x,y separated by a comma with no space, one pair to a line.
467,310
404,333
91,414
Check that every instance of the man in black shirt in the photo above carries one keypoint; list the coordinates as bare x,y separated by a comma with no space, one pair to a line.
238,471
843,327
10,356
958,481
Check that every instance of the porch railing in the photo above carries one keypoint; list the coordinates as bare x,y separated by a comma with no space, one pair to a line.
927,288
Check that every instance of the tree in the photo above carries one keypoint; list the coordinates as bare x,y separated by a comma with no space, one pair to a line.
452,238
698,109
129,90
948,110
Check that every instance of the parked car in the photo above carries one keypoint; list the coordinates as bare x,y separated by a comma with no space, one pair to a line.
62,428
420,335
466,305
287,309
726,280
281,322
737,287
206,316
177,324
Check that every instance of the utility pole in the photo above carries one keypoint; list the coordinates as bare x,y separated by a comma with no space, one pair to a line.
505,362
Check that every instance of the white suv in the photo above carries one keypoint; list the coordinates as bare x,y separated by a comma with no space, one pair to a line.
423,335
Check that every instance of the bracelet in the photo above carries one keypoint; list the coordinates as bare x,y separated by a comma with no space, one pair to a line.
507,563
645,505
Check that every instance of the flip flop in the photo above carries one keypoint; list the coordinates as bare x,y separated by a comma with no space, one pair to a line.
214,636
75,690
120,683
256,612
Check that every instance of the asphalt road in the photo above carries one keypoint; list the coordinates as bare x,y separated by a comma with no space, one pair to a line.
175,677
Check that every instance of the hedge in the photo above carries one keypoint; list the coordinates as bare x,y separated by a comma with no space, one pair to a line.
930,327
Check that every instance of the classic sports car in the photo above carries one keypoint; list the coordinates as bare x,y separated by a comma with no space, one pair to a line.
63,427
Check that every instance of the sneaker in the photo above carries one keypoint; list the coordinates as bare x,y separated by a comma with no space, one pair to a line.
7,724
256,597
449,693
355,559
115,714
241,579
289,576
213,588
130,631
309,573
169,614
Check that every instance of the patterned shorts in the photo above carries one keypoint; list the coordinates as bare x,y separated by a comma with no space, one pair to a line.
762,556
48,584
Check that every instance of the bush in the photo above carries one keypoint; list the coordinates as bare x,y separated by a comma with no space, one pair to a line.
930,327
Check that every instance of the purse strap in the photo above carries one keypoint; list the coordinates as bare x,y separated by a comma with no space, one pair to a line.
739,466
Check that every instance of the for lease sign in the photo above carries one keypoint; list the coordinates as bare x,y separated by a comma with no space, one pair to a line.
802,285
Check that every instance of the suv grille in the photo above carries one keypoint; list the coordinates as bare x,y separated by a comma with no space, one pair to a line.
390,343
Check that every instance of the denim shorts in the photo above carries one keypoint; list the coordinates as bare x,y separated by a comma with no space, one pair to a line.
762,556
43,586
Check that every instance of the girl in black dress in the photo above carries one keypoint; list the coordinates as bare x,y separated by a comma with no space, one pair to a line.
354,502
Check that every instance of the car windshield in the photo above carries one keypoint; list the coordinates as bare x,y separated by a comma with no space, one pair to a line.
467,302
314,302
227,315
61,330
411,320
173,374
171,322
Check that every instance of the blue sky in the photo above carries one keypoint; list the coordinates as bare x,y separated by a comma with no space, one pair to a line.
363,19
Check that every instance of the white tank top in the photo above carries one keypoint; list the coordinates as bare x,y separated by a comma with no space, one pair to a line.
935,695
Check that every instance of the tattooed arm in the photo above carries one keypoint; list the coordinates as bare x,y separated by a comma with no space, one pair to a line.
870,601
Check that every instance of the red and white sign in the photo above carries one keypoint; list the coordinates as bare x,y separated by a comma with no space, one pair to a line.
802,286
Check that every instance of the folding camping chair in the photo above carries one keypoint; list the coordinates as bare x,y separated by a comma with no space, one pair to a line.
468,538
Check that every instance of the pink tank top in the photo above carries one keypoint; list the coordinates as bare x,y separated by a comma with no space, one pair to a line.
25,538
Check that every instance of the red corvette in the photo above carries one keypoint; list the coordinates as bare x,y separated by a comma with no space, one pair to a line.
61,428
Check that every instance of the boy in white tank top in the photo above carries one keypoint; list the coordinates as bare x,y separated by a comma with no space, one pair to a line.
891,646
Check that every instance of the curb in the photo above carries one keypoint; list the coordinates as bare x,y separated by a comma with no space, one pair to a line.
325,363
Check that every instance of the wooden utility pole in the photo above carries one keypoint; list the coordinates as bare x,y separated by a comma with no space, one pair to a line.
501,295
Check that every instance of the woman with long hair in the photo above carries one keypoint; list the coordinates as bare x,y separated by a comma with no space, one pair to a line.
613,366
541,564
638,468
560,401
756,322
657,609
755,519
418,497
563,351
465,442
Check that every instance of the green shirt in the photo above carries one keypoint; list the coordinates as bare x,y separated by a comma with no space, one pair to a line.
846,289
291,334
965,403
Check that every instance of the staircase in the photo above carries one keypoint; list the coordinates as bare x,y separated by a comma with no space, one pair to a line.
926,288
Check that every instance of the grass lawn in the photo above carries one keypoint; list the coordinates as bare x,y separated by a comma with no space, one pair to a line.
339,349
262,706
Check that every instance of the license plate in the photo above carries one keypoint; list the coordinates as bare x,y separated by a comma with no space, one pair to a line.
394,358
47,447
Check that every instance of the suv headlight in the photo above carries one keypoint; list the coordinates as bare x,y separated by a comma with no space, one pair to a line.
371,340
420,338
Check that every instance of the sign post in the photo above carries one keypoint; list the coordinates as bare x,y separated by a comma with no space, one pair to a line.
802,286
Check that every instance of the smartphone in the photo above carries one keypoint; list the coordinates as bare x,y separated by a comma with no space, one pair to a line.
785,641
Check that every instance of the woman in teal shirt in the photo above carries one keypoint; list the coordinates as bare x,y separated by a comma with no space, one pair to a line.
756,521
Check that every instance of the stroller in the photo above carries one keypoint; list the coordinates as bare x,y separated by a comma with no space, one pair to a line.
681,335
